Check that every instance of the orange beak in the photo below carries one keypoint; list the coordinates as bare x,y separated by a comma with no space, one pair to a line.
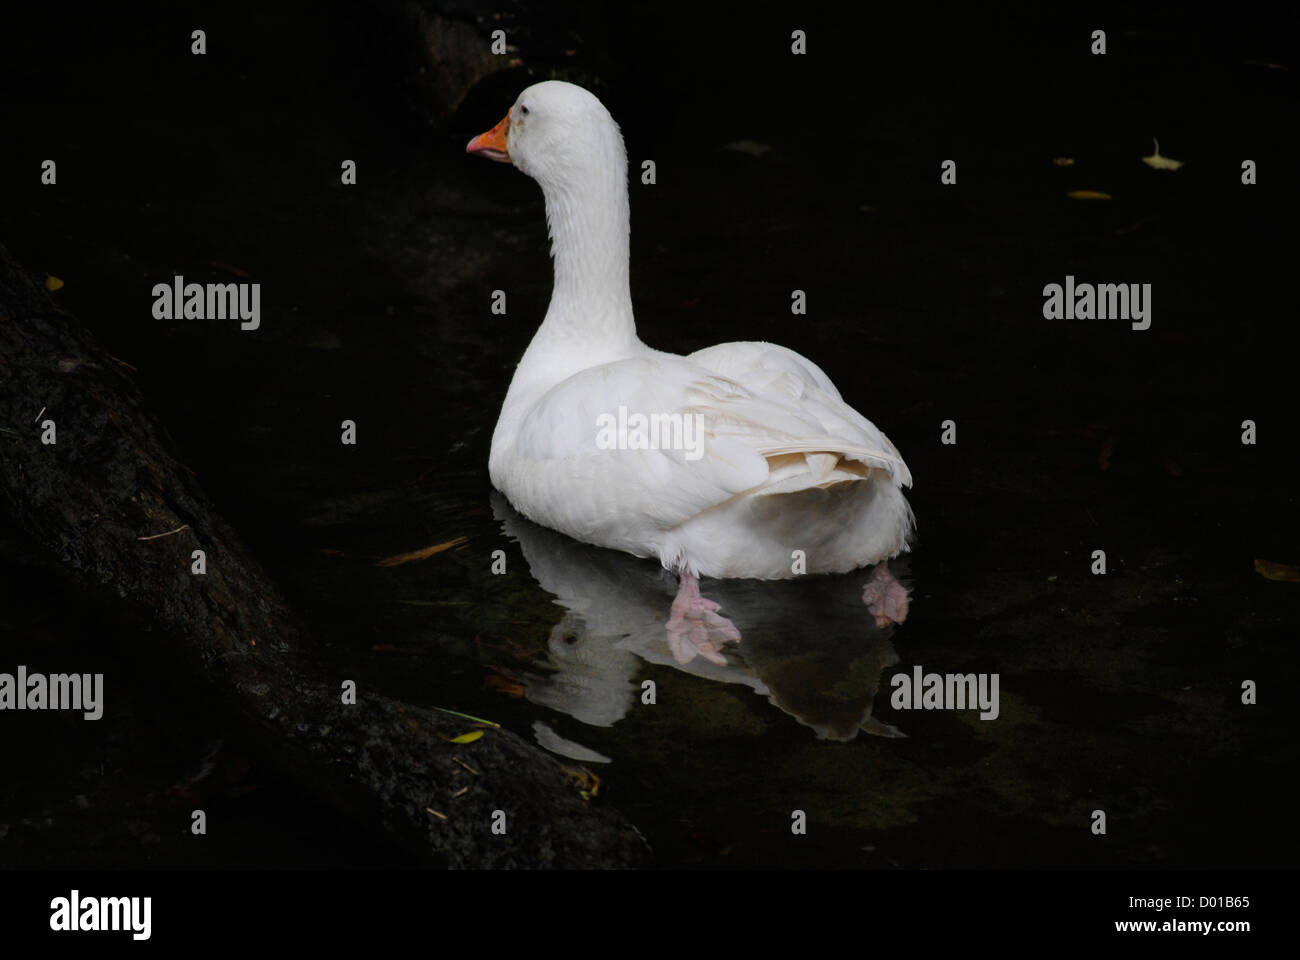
495,144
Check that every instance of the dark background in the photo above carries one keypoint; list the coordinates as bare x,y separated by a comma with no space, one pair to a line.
925,304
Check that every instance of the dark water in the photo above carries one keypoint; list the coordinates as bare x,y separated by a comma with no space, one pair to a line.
1119,692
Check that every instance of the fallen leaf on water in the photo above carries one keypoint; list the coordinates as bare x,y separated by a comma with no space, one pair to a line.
219,265
52,282
467,737
588,783
1088,195
1157,162
421,554
1277,571
502,685
1063,161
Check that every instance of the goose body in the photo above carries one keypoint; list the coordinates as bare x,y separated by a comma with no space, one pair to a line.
778,462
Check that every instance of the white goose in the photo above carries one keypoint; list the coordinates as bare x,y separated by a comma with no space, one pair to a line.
785,464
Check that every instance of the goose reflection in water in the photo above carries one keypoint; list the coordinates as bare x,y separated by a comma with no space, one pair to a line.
810,646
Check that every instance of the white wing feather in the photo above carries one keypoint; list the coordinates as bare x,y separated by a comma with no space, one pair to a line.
773,423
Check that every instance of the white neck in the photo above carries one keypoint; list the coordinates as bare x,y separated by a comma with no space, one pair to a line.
589,219
589,321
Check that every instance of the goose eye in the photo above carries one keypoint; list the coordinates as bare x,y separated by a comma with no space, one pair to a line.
523,110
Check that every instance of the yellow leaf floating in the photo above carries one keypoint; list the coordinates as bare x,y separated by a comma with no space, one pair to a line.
1063,161
1277,571
467,737
52,282
1157,162
1088,195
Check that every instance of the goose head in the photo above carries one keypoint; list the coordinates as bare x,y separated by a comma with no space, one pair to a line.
560,135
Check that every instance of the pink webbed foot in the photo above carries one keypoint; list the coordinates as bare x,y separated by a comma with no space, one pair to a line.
885,597
695,628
